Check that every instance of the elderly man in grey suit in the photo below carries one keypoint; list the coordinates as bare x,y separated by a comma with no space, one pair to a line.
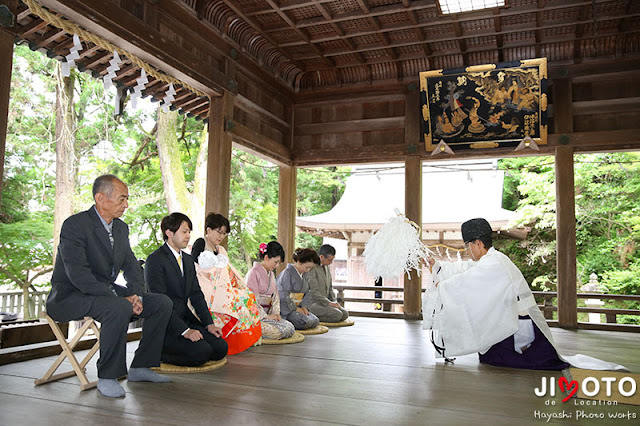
94,248
323,302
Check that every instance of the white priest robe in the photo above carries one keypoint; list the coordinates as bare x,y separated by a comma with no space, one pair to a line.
476,305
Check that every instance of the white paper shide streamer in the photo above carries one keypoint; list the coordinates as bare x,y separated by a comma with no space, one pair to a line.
111,71
71,57
395,249
169,97
138,88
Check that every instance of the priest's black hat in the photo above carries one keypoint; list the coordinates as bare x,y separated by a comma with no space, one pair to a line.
474,229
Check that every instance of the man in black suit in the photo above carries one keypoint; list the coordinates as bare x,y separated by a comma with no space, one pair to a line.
94,248
168,270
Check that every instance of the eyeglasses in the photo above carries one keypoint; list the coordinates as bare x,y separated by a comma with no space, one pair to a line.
224,234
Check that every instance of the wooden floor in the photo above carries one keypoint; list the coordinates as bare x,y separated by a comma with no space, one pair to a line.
377,372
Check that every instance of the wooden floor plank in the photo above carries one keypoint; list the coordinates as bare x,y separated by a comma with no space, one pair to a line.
379,371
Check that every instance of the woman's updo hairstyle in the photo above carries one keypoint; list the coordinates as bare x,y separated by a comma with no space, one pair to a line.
273,249
216,221
305,255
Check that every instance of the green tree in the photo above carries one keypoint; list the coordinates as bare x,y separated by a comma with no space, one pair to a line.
318,189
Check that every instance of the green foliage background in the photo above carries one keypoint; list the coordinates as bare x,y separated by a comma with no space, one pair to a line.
125,146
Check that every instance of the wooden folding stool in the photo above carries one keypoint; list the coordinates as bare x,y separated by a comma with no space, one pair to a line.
79,368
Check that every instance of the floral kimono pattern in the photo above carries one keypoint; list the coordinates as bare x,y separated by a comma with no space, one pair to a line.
232,305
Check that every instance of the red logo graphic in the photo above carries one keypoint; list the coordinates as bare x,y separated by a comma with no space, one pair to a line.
566,386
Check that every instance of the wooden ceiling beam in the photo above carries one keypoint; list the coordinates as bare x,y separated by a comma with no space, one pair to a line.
292,25
442,19
584,142
184,100
497,27
93,61
489,32
445,52
338,30
448,38
418,31
49,37
376,25
301,33
125,72
462,43
34,26
539,19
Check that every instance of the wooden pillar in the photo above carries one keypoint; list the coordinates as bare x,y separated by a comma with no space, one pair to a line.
219,155
565,207
287,212
566,239
6,61
413,211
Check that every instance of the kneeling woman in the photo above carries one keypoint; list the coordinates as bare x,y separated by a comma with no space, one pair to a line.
262,281
290,281
232,305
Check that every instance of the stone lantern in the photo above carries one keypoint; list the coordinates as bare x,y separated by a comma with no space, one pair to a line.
593,287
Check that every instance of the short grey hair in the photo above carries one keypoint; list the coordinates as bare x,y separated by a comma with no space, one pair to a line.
104,184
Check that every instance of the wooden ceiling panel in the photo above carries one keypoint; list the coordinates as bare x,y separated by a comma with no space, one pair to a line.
380,3
371,40
409,51
523,3
347,60
321,31
252,6
566,15
305,12
427,15
484,57
436,31
334,46
403,36
268,21
477,26
284,36
342,7
520,20
517,53
394,20
354,26
373,55
444,46
611,8
520,37
555,33
448,61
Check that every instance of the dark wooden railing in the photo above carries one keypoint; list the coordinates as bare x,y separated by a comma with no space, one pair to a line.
545,297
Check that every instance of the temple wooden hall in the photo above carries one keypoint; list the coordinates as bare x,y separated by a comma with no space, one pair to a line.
376,372
329,82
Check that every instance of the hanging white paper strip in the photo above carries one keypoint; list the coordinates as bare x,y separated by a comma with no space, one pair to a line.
111,71
169,97
137,90
70,59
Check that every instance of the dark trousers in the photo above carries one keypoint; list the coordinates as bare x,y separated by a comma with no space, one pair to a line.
182,351
114,315
541,355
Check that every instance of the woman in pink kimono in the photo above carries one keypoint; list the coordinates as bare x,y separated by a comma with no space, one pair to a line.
262,281
232,305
